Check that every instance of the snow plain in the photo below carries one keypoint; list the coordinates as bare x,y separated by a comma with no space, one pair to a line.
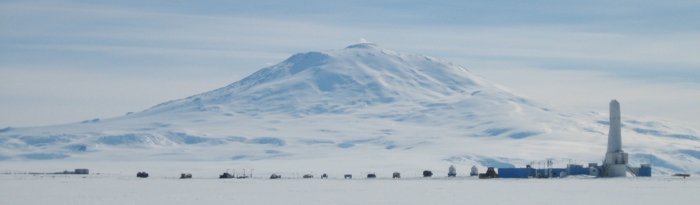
114,188
116,183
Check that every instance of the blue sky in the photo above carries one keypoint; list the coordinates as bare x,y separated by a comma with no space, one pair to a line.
68,61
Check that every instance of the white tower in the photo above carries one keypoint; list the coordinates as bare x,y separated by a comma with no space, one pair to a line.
614,135
615,164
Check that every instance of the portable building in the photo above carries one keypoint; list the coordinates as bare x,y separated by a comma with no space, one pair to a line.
515,172
645,170
82,171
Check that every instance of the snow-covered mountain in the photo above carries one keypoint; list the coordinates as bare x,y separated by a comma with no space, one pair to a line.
361,104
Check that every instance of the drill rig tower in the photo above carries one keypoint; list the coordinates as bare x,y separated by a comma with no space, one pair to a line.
615,164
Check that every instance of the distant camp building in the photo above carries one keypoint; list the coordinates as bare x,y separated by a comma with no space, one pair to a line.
396,175
427,173
185,176
452,171
142,175
490,173
226,175
77,171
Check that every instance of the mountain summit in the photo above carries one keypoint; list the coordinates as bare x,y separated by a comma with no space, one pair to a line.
341,81
360,106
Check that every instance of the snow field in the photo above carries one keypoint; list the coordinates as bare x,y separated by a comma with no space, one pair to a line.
123,189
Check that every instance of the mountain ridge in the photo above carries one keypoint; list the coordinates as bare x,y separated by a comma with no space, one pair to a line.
360,100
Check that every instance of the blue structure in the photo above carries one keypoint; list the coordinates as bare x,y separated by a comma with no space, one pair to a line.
572,169
553,172
515,172
645,170
529,172
576,169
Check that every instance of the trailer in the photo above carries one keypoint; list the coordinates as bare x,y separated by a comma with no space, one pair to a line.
142,175
226,175
371,175
185,176
490,173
